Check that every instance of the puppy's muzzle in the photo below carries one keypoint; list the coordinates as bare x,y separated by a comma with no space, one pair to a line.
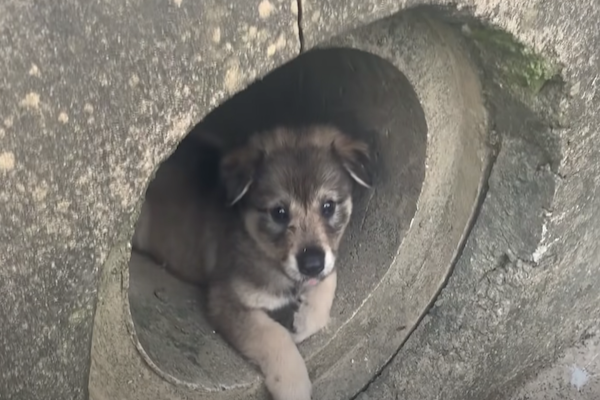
311,261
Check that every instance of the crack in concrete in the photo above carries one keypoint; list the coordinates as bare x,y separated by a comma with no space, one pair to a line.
300,30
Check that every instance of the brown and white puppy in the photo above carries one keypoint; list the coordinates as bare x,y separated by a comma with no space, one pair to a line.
266,241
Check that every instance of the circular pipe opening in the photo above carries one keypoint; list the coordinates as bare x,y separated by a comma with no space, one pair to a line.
365,96
397,254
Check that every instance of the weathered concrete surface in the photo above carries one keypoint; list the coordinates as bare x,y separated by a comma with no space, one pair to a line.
575,376
526,284
93,94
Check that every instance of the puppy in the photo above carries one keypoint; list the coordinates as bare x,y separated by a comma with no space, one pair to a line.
264,239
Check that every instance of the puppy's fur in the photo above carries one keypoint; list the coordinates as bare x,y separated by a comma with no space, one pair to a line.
266,237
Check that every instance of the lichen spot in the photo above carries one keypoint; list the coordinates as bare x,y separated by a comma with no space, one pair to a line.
34,71
252,31
88,108
294,7
216,36
134,80
63,117
31,100
278,45
7,161
265,9
232,78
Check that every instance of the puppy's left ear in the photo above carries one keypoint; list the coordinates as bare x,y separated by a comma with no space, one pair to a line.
355,158
237,173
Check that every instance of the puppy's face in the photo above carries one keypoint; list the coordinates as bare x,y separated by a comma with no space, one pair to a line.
294,192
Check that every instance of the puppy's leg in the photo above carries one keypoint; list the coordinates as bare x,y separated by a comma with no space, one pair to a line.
313,313
269,345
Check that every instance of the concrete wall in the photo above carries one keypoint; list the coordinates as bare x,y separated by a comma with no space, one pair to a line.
95,95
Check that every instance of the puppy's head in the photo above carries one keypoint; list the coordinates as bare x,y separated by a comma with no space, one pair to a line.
293,189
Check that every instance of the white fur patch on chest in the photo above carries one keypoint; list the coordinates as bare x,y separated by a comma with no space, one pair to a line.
255,298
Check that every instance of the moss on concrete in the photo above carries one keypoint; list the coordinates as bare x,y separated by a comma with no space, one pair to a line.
518,66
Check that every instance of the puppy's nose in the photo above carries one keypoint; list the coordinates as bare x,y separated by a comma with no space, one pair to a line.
311,261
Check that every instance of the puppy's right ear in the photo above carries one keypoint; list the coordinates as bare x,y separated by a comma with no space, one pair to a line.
237,173
355,158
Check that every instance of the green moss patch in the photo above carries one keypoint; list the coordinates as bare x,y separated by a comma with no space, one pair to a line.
517,66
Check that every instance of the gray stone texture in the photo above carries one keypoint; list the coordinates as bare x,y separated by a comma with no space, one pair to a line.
525,286
94,94
575,376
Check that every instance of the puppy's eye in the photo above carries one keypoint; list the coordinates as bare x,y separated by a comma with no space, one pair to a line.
328,208
280,215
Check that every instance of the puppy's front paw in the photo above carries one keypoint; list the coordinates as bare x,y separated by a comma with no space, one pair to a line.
308,320
291,383
313,313
300,330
